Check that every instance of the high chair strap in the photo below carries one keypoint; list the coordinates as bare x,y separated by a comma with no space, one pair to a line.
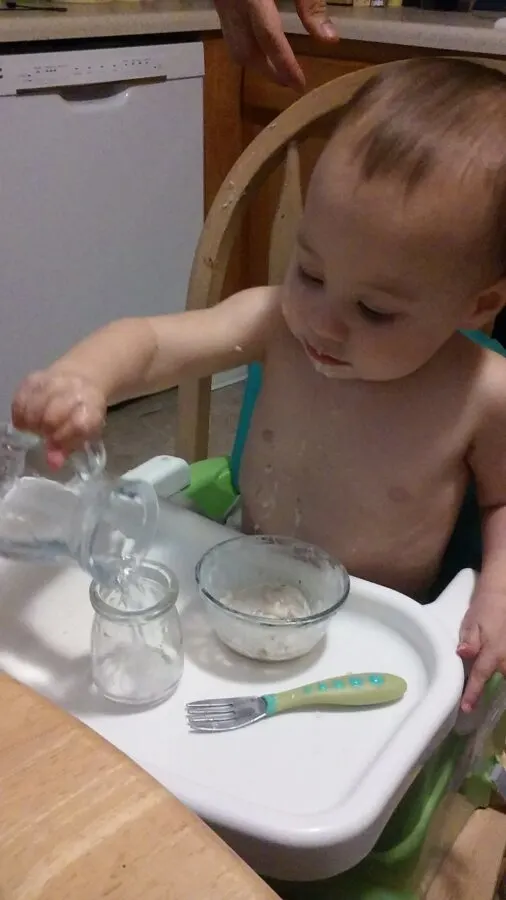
251,391
479,337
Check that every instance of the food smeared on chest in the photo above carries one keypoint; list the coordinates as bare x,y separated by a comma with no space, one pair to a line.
398,494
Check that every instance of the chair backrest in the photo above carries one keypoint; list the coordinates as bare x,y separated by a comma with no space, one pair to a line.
277,145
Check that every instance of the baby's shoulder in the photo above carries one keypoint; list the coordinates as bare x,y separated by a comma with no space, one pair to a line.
487,376
487,448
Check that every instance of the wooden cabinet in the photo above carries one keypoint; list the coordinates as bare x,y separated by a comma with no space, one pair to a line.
262,101
239,104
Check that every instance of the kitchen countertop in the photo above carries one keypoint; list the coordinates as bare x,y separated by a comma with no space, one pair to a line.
78,819
418,28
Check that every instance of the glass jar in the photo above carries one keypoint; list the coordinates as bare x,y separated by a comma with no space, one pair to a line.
136,640
73,513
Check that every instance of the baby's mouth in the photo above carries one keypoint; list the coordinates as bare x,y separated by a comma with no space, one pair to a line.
323,358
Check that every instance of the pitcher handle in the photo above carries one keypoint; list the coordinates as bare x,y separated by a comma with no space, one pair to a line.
86,463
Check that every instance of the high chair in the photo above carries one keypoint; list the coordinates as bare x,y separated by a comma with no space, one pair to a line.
446,790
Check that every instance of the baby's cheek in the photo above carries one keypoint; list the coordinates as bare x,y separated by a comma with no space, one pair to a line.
292,309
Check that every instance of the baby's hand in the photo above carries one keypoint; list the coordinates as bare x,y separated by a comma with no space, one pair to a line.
66,409
483,639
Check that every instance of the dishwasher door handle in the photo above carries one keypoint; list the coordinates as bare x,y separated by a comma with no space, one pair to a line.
88,97
93,97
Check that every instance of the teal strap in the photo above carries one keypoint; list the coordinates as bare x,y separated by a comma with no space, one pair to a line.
485,341
251,392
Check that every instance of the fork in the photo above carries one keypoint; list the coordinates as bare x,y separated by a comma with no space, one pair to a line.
362,690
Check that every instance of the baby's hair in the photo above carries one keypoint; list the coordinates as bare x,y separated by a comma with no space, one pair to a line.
420,113
420,116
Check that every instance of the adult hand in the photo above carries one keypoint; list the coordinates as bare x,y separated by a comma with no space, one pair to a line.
254,33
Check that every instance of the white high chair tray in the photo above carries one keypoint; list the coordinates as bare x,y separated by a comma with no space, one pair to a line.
299,796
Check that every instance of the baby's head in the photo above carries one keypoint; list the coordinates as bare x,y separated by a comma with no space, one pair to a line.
403,237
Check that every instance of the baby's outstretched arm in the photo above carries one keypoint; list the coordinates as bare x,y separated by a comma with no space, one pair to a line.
483,631
67,403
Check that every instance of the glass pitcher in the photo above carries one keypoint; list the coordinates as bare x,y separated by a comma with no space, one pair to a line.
75,513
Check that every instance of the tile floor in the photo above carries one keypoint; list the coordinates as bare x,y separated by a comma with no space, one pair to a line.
143,428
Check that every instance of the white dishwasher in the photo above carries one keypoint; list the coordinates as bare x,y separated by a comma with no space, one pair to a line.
101,193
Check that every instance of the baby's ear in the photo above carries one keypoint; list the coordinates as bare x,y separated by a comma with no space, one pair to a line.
485,307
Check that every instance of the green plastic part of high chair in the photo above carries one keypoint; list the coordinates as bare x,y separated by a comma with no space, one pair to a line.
211,490
214,486
397,864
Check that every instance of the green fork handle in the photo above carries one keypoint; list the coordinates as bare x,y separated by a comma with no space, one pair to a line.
365,689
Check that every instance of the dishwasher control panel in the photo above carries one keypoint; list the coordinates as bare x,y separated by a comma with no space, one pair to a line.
42,71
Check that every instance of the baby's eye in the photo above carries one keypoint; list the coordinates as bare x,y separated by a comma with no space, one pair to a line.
374,315
308,278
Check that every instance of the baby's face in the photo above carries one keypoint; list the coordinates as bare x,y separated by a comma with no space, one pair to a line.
380,281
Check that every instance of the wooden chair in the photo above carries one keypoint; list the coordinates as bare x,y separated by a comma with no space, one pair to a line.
473,866
277,145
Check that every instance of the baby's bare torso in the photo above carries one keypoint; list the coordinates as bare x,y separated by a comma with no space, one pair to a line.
373,473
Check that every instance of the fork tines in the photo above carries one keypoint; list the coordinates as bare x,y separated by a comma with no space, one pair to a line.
222,714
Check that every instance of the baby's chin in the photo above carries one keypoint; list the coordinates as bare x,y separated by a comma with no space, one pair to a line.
341,372
326,366
347,372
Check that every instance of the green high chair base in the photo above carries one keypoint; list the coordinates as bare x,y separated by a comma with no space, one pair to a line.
429,817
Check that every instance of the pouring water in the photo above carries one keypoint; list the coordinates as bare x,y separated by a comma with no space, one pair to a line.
77,513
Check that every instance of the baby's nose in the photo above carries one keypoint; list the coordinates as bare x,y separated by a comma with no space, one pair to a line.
333,328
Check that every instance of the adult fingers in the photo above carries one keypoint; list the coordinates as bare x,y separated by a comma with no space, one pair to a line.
240,38
236,29
316,20
268,31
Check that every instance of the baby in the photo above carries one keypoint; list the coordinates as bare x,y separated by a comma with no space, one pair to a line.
375,411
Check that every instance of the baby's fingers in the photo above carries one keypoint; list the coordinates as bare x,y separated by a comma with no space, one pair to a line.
30,402
60,412
84,423
484,667
55,457
65,409
470,637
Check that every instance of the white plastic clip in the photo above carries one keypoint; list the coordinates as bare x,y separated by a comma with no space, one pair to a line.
167,474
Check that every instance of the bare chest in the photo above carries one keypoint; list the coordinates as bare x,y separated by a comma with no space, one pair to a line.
370,472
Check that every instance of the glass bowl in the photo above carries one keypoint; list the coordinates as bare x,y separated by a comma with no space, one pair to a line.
270,598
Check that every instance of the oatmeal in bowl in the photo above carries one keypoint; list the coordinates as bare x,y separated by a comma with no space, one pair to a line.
270,598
